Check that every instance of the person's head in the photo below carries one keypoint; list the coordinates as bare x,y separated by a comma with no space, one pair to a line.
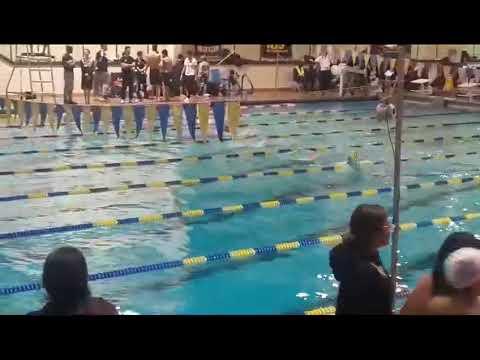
86,53
164,53
203,58
103,47
369,228
457,266
300,65
180,58
140,54
65,278
155,48
69,49
127,50
189,54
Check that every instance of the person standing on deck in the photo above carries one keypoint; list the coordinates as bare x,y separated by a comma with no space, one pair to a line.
165,70
153,61
68,66
101,77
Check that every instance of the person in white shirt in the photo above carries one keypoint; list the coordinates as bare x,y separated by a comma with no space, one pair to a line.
189,74
324,63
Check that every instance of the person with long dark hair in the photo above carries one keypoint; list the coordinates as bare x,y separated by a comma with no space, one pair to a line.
364,282
65,278
453,288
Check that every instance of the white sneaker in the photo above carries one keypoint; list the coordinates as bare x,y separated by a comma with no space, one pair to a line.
122,101
187,100
135,100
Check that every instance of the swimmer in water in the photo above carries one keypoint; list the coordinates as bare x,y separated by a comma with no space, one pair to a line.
353,161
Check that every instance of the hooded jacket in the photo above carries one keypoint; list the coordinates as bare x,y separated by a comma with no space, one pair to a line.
364,282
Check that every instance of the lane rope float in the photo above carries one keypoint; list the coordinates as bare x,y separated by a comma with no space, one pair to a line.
135,163
331,132
154,144
233,208
284,172
330,310
329,240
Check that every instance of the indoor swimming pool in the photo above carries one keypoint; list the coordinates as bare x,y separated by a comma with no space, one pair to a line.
292,155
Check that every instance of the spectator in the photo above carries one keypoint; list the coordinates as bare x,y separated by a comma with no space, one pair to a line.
141,76
165,70
100,80
356,264
411,75
454,286
189,75
309,66
233,84
68,65
176,75
324,70
153,62
65,278
127,63
203,74
87,66
299,77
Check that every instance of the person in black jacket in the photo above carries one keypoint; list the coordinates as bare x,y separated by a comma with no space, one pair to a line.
356,264
65,278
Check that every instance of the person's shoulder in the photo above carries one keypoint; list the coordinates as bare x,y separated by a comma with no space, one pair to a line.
100,306
40,312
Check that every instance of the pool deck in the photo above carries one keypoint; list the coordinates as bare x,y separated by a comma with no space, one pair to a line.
259,97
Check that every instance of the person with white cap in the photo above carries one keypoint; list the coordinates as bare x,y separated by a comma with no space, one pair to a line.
454,286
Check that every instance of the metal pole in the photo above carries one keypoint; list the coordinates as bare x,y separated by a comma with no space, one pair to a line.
398,100
276,74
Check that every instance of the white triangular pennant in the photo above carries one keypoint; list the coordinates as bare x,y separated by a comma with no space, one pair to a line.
35,113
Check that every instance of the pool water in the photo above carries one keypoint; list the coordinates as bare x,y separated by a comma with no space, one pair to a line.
288,283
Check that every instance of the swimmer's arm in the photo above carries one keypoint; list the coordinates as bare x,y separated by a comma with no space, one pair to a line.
418,301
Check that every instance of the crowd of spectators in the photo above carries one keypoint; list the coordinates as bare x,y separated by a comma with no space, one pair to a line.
323,73
154,75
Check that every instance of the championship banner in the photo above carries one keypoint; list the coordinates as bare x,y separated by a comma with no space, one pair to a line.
212,52
272,51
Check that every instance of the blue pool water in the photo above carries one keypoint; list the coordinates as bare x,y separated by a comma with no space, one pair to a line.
285,284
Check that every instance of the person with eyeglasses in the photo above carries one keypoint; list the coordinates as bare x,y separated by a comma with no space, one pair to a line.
365,285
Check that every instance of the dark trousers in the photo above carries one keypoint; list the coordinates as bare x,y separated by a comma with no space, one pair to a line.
309,82
142,85
127,80
324,79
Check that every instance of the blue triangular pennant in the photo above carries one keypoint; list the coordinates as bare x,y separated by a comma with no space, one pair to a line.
139,114
43,113
77,113
219,116
190,115
97,114
164,113
116,116
59,110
